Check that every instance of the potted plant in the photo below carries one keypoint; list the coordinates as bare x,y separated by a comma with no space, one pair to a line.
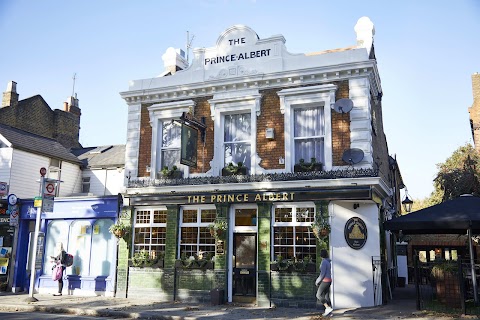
281,264
173,173
231,169
119,229
197,261
303,166
321,229
218,229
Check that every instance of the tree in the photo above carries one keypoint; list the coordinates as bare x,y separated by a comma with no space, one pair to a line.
458,175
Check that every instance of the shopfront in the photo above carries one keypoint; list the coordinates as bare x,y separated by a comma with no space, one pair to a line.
82,225
7,234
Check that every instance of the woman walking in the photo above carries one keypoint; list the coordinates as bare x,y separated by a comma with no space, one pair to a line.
324,282
59,260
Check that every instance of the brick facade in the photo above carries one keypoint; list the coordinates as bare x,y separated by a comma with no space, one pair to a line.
474,111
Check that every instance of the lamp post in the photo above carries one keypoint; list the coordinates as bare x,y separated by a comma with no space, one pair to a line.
407,203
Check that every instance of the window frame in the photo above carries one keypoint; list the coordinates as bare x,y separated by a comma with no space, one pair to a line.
293,224
151,224
317,96
158,114
198,224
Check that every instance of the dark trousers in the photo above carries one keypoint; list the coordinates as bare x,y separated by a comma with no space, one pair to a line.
60,281
325,293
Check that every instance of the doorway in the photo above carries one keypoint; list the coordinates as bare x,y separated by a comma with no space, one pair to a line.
244,287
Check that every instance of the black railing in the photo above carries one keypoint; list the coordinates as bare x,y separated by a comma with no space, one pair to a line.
269,177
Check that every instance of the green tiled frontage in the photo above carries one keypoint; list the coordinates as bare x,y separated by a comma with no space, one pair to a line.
123,255
194,285
147,282
293,289
264,254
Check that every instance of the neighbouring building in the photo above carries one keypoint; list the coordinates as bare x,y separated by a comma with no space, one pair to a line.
230,161
474,111
86,199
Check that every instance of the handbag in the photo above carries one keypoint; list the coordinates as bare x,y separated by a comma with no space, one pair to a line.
57,272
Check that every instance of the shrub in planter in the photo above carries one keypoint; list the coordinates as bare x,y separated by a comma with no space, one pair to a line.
303,166
447,283
196,262
232,169
144,258
172,173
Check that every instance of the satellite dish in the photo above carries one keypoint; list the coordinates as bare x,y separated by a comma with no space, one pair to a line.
343,105
352,156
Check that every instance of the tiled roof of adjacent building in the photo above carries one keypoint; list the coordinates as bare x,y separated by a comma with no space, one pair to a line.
102,156
33,143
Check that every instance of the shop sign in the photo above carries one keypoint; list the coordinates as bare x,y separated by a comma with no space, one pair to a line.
40,247
14,215
3,189
37,202
220,248
242,197
355,233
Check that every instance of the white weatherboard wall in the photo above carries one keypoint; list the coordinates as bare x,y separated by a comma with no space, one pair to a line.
105,182
5,164
352,269
25,173
71,176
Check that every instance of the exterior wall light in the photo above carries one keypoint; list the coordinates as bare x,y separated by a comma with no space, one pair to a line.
407,203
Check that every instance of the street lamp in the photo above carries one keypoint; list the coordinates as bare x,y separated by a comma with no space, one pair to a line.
407,203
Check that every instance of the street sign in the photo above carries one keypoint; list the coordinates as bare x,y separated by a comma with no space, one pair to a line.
39,253
43,171
3,189
14,215
37,202
49,189
47,203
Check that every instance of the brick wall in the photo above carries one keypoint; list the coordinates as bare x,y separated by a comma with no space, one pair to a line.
271,117
145,152
379,143
340,127
474,111
204,155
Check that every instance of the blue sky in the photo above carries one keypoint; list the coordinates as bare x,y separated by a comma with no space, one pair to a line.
426,53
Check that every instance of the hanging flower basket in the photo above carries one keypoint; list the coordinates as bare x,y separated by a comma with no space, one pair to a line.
119,229
218,230
321,229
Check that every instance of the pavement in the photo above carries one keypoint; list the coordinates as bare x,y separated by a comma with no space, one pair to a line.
403,306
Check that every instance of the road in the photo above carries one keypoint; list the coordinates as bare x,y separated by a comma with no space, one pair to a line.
40,315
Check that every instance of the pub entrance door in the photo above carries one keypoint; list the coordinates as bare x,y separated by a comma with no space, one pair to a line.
244,268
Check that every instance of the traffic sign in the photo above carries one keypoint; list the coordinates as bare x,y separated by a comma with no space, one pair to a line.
47,204
3,189
43,171
49,189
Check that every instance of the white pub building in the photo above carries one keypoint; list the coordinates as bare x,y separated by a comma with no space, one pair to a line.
246,163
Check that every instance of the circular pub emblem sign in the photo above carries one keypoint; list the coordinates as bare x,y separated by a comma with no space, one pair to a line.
355,233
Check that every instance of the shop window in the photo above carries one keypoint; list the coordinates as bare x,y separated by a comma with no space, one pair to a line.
237,139
79,245
292,236
150,231
309,134
195,237
102,248
57,231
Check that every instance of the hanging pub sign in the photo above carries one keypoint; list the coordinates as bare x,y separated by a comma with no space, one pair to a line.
188,153
355,233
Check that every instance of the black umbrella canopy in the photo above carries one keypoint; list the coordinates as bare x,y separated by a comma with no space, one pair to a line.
449,217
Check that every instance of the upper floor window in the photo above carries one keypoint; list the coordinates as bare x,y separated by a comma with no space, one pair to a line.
170,147
166,135
309,134
85,184
237,138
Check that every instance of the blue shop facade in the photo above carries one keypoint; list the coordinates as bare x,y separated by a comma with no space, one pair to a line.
82,225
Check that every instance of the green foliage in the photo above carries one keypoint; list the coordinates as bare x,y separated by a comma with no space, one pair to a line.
119,229
235,169
457,175
143,258
445,267
166,172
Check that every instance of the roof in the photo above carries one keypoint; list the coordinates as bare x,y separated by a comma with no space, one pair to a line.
33,143
101,156
449,217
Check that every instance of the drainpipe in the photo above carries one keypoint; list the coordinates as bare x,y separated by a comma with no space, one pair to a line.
472,264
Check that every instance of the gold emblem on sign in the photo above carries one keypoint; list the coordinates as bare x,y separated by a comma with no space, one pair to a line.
356,233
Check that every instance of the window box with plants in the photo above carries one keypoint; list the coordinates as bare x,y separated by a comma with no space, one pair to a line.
447,283
145,259
303,166
293,265
232,169
173,173
120,230
198,261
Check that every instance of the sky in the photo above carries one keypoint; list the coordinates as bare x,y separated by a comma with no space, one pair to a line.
426,53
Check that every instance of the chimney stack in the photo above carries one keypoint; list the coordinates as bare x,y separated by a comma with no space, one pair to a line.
10,97
365,31
174,60
72,105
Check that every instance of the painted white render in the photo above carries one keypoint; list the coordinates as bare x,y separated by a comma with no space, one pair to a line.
71,177
25,173
104,182
352,269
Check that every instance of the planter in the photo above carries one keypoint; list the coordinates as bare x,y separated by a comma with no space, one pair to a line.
119,233
308,167
281,267
324,232
239,171
158,264
177,174
194,264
